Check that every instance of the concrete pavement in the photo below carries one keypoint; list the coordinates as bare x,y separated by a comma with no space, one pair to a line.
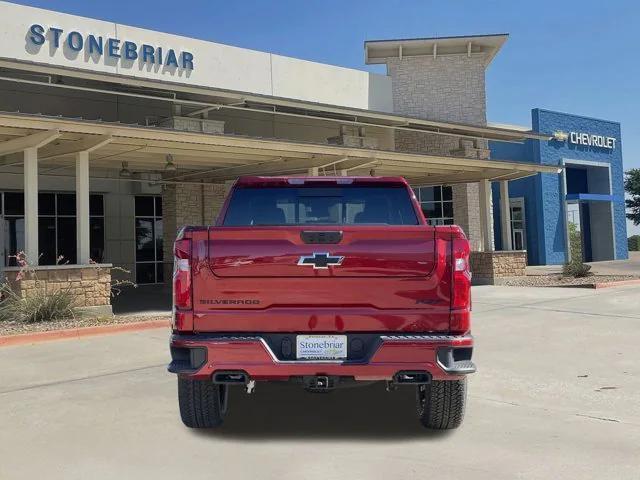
631,266
557,395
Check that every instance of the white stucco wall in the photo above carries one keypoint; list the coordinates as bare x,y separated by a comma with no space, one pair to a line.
215,65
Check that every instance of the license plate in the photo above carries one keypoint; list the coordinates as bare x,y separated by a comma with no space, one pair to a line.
321,347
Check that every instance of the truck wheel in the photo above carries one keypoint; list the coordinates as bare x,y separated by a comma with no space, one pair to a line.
441,403
203,404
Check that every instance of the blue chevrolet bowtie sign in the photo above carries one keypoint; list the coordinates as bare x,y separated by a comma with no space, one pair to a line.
111,47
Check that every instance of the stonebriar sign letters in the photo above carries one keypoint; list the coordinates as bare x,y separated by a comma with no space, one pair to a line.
111,47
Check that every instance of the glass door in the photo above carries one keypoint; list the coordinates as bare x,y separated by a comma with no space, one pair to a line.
518,227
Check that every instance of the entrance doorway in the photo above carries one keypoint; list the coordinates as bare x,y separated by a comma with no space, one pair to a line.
590,230
518,224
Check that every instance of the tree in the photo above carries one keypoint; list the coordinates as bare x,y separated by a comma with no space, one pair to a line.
632,186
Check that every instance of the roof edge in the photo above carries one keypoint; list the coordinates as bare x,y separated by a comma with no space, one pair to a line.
452,37
379,51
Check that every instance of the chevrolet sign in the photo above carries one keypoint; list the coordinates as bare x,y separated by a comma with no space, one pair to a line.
590,140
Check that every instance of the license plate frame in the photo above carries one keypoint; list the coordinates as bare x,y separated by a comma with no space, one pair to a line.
321,347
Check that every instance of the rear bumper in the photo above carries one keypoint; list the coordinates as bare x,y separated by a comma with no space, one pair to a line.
444,357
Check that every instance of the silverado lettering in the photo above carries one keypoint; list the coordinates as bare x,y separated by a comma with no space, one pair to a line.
387,297
225,301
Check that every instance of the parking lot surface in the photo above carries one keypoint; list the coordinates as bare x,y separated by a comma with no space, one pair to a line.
557,395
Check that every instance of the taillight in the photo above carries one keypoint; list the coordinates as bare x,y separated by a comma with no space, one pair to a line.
461,274
182,274
461,289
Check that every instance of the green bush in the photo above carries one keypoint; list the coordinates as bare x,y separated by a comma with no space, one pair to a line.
38,306
634,243
575,242
576,270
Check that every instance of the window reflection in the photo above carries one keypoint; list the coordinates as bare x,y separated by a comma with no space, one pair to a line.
56,227
436,203
148,226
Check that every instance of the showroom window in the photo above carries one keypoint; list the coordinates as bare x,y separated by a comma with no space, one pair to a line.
148,224
56,227
436,203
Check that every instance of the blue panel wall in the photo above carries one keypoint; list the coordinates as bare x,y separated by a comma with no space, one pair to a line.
544,212
554,152
524,188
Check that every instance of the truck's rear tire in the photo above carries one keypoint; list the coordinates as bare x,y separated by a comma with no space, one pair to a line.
203,404
441,404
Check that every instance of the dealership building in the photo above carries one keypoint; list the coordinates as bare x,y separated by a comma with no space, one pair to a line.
112,137
588,194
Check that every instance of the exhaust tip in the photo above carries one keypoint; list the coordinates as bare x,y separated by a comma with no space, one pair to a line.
406,377
231,378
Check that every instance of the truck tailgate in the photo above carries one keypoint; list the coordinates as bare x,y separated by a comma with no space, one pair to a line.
394,278
273,252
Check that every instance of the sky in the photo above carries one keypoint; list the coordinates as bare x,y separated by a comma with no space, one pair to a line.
576,56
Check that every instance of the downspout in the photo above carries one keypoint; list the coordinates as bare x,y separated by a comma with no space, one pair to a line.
202,201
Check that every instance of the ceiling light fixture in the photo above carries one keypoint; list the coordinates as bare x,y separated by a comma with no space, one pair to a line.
170,166
124,171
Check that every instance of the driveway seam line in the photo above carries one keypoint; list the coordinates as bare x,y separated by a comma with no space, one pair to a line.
79,379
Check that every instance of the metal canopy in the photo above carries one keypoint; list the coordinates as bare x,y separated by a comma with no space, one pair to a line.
215,158
198,100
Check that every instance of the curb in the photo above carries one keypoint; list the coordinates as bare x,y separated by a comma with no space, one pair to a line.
619,283
598,286
38,337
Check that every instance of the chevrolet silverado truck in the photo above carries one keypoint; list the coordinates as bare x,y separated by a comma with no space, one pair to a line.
325,282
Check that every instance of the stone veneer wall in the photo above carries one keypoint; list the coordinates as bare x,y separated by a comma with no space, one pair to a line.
188,204
448,88
488,268
91,284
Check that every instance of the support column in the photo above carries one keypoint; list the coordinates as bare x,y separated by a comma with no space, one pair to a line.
485,215
313,172
505,215
82,208
185,204
31,205
466,212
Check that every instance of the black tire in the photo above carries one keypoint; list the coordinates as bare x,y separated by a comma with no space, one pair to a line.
203,404
441,404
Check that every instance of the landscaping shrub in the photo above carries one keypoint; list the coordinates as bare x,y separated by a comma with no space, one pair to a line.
634,243
575,243
576,270
38,306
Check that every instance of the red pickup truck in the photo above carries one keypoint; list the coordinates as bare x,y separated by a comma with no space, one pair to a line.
325,282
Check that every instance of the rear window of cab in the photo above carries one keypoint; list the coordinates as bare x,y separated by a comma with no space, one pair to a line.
344,205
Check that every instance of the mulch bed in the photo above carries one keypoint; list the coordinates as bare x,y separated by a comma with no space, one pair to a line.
16,328
555,280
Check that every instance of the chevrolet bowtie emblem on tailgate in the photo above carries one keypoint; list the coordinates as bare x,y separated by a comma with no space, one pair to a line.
320,260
